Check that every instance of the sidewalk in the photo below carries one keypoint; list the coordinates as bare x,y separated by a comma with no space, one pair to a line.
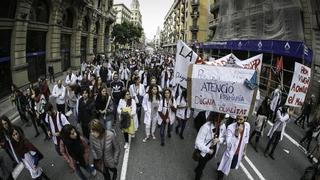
9,109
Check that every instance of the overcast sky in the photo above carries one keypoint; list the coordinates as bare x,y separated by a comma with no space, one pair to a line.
153,13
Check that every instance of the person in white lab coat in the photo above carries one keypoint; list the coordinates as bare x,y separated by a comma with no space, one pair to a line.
137,92
153,81
59,92
150,104
275,101
167,112
71,78
183,113
210,135
237,138
276,132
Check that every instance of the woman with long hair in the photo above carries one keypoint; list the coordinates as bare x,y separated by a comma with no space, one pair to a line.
167,112
31,113
127,108
105,149
137,92
150,104
104,107
75,151
26,152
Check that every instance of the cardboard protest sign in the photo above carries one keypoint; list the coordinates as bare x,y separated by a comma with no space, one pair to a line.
184,57
299,85
220,89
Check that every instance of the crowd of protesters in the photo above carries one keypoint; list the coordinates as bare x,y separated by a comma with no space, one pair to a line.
132,91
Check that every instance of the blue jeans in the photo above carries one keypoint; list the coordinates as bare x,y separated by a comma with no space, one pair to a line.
87,167
106,122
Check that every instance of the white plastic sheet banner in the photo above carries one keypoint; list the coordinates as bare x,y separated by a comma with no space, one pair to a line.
220,89
252,63
184,57
299,85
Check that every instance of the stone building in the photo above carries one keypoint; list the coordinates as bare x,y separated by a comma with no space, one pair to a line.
36,34
123,13
136,17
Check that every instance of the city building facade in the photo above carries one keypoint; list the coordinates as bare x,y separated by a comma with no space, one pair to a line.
186,20
136,17
124,14
291,32
36,34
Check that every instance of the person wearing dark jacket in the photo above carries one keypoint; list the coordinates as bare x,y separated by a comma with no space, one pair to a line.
104,72
313,127
21,102
306,110
116,88
104,108
261,121
202,118
86,111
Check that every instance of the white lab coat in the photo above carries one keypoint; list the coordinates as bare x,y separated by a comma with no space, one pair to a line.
232,145
279,119
181,112
134,91
205,135
163,83
122,104
124,73
60,123
275,99
71,81
146,104
59,91
163,107
28,162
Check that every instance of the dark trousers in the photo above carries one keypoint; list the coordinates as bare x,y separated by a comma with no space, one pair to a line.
181,124
85,129
79,172
274,140
162,130
42,124
61,108
126,137
34,121
201,165
23,116
43,175
301,119
307,138
51,78
258,134
107,176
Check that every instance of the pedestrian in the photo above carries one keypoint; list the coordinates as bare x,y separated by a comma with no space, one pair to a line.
31,113
117,86
71,99
59,92
103,72
40,110
124,73
137,92
167,112
210,135
201,118
21,103
26,152
75,151
276,132
104,108
183,113
71,79
165,78
105,150
85,83
306,110
51,73
6,128
44,88
150,104
261,122
314,127
153,81
78,77
276,96
127,108
55,121
85,111
237,138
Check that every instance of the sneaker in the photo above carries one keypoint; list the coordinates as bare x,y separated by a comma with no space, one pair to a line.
162,144
126,145
153,137
133,135
145,139
181,136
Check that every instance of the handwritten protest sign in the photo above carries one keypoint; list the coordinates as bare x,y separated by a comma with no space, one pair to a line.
251,63
299,85
220,89
184,57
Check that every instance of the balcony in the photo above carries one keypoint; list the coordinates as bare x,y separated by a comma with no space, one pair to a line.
214,7
195,3
194,28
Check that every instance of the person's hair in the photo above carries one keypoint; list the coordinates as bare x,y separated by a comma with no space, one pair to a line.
135,79
183,94
164,92
66,130
150,92
22,137
49,107
96,125
123,93
5,118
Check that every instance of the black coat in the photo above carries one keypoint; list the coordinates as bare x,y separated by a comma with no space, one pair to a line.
86,111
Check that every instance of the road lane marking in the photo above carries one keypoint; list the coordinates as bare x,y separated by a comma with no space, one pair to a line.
254,168
246,171
125,162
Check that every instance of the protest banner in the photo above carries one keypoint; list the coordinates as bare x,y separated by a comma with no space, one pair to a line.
251,63
184,57
299,85
220,89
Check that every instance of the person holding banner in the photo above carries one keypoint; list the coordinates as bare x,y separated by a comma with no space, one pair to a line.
210,135
237,138
183,113
276,132
150,104
167,110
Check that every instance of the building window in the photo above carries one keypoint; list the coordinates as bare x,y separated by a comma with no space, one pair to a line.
39,11
8,9
85,24
67,18
97,27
